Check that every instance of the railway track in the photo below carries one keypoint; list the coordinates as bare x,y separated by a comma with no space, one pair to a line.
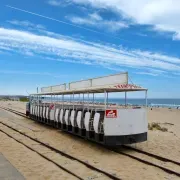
134,153
147,159
102,174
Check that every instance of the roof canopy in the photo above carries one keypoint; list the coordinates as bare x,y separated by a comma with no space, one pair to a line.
112,83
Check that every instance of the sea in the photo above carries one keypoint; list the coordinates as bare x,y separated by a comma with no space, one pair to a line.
151,102
141,102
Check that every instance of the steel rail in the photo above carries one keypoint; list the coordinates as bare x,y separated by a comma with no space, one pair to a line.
131,156
59,151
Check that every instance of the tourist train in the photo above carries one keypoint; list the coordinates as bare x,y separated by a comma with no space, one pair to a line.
72,108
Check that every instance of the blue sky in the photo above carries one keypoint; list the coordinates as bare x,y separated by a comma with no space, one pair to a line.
48,42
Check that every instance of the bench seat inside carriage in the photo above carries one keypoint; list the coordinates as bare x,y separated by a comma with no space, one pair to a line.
76,120
87,122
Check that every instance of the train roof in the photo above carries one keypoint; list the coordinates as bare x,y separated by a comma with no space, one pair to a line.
116,88
112,83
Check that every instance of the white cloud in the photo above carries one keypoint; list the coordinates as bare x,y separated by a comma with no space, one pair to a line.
54,3
96,20
28,53
30,73
5,48
59,3
152,72
162,14
155,74
141,34
147,73
95,16
176,36
27,24
77,51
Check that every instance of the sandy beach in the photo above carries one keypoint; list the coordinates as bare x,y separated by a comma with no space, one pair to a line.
166,144
90,90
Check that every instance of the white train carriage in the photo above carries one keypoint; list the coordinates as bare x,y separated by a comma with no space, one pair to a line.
110,125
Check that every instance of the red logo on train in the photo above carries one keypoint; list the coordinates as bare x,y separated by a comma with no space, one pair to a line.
111,113
51,106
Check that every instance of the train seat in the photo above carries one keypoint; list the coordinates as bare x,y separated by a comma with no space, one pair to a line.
87,120
57,115
44,112
47,112
61,115
96,122
78,119
72,117
40,111
66,117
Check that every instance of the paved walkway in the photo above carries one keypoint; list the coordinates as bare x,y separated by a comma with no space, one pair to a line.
8,171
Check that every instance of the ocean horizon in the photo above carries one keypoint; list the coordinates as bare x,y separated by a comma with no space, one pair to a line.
154,102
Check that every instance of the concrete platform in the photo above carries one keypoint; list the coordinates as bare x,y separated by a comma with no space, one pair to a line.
8,171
